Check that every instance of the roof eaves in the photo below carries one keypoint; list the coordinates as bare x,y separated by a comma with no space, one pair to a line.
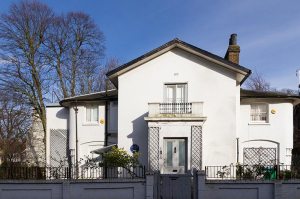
78,98
179,42
265,94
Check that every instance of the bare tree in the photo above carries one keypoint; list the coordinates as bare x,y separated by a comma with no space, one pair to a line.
103,82
86,49
257,82
14,128
26,71
75,46
58,45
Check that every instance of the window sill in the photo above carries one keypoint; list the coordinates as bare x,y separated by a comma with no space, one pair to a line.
90,124
259,123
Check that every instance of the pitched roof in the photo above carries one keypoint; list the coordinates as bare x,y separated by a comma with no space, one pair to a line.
183,45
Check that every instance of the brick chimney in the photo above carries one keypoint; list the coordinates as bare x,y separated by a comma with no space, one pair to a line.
233,51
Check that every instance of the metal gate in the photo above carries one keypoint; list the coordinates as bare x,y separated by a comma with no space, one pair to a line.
176,186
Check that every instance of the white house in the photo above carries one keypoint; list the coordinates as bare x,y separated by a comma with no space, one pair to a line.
182,107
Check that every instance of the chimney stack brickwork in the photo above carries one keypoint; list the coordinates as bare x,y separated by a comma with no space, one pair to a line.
233,51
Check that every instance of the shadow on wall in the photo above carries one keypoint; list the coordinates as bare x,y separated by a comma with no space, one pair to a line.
62,114
139,136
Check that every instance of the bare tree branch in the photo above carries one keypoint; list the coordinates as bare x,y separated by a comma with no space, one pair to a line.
257,82
22,34
14,127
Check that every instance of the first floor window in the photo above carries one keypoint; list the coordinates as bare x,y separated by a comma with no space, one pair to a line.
176,93
259,113
91,114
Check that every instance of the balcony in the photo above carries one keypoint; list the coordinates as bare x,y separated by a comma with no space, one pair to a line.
175,111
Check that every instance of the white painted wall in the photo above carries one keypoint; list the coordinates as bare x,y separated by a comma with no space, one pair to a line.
57,118
207,82
251,189
279,128
90,135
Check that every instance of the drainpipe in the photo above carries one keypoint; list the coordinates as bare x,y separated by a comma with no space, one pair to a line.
237,150
106,115
106,124
76,133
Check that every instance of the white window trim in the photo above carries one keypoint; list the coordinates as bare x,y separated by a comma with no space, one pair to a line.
90,123
175,83
260,122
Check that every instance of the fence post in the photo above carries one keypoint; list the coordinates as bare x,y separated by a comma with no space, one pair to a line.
66,190
201,184
151,186
278,191
195,184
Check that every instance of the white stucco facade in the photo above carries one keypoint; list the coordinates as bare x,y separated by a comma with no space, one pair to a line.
279,128
211,121
211,84
57,118
91,135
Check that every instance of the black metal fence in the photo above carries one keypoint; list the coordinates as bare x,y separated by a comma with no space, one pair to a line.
52,173
252,172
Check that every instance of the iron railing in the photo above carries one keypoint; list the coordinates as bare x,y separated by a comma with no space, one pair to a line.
252,172
175,108
51,173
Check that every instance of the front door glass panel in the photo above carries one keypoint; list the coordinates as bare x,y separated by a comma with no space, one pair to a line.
174,155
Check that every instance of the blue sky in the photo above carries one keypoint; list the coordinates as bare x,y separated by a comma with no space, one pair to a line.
268,30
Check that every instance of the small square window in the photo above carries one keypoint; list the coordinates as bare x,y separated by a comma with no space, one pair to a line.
259,113
91,114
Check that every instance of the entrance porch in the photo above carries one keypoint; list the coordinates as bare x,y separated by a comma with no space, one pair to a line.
175,139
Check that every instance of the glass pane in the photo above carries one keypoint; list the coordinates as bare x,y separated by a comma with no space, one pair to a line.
170,93
180,93
169,153
95,114
88,114
181,153
259,112
262,108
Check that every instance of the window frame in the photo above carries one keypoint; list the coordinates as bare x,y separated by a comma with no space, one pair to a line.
267,121
92,122
185,97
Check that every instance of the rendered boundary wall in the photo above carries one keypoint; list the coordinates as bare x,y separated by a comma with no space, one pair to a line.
84,189
231,189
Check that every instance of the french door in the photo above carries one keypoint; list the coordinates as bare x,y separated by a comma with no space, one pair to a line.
176,93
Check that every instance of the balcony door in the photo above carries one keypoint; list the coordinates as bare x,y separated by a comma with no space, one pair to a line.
175,93
174,156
